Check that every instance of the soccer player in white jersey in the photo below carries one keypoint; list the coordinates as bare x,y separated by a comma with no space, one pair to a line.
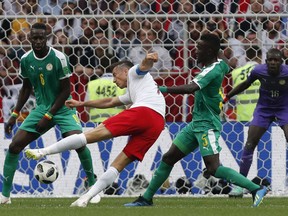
143,122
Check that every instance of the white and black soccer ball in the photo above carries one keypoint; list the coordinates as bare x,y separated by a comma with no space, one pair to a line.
46,172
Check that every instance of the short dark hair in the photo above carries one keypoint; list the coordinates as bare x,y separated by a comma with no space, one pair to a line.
213,42
275,51
39,26
124,63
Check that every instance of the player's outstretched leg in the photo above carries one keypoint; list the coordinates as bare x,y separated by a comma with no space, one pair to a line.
259,195
35,154
5,200
236,192
140,201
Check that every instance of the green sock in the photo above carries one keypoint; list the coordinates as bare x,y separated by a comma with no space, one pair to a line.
159,177
86,161
10,166
235,178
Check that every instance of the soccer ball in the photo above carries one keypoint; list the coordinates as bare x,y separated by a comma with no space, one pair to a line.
46,172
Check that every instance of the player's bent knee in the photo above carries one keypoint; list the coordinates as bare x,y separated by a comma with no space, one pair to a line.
15,149
168,159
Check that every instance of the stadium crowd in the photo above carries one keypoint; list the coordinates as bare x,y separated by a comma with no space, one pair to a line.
94,42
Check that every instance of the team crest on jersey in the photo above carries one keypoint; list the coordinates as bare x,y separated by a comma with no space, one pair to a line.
49,67
282,82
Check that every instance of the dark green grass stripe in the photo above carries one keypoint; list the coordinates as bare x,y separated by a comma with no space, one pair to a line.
162,207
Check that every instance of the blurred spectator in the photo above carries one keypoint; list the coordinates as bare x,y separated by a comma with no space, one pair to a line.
148,44
91,66
195,28
82,44
124,38
253,23
248,41
61,43
30,8
204,7
132,6
177,29
51,6
5,28
5,66
50,23
102,88
10,83
158,25
92,6
20,44
217,25
98,58
71,25
235,49
272,35
12,7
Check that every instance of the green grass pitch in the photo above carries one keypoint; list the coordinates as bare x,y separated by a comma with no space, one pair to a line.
163,206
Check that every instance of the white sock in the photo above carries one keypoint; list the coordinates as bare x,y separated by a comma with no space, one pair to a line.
74,141
105,180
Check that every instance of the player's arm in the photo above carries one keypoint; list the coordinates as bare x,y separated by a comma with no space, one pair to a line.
182,89
24,94
148,61
100,104
239,88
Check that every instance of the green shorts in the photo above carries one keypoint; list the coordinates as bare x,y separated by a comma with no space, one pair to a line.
66,119
188,140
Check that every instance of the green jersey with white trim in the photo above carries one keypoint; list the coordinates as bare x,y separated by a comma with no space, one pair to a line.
45,75
208,99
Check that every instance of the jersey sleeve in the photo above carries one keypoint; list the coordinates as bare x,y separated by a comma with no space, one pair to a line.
252,75
125,99
205,77
135,72
65,68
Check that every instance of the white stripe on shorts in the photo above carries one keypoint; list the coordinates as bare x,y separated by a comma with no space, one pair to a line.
212,140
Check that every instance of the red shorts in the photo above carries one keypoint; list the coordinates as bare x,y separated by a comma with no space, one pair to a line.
142,124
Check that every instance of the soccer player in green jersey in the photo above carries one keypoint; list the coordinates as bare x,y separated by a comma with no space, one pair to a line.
46,71
204,130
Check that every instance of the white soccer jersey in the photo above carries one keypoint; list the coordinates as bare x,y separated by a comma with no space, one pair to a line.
143,91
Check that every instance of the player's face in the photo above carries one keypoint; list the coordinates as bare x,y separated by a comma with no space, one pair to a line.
38,40
120,76
274,61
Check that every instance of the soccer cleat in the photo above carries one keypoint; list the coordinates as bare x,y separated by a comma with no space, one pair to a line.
35,154
259,195
236,192
82,201
96,199
5,200
140,201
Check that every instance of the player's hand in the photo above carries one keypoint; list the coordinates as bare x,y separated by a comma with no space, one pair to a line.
147,62
9,125
72,103
42,125
152,56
